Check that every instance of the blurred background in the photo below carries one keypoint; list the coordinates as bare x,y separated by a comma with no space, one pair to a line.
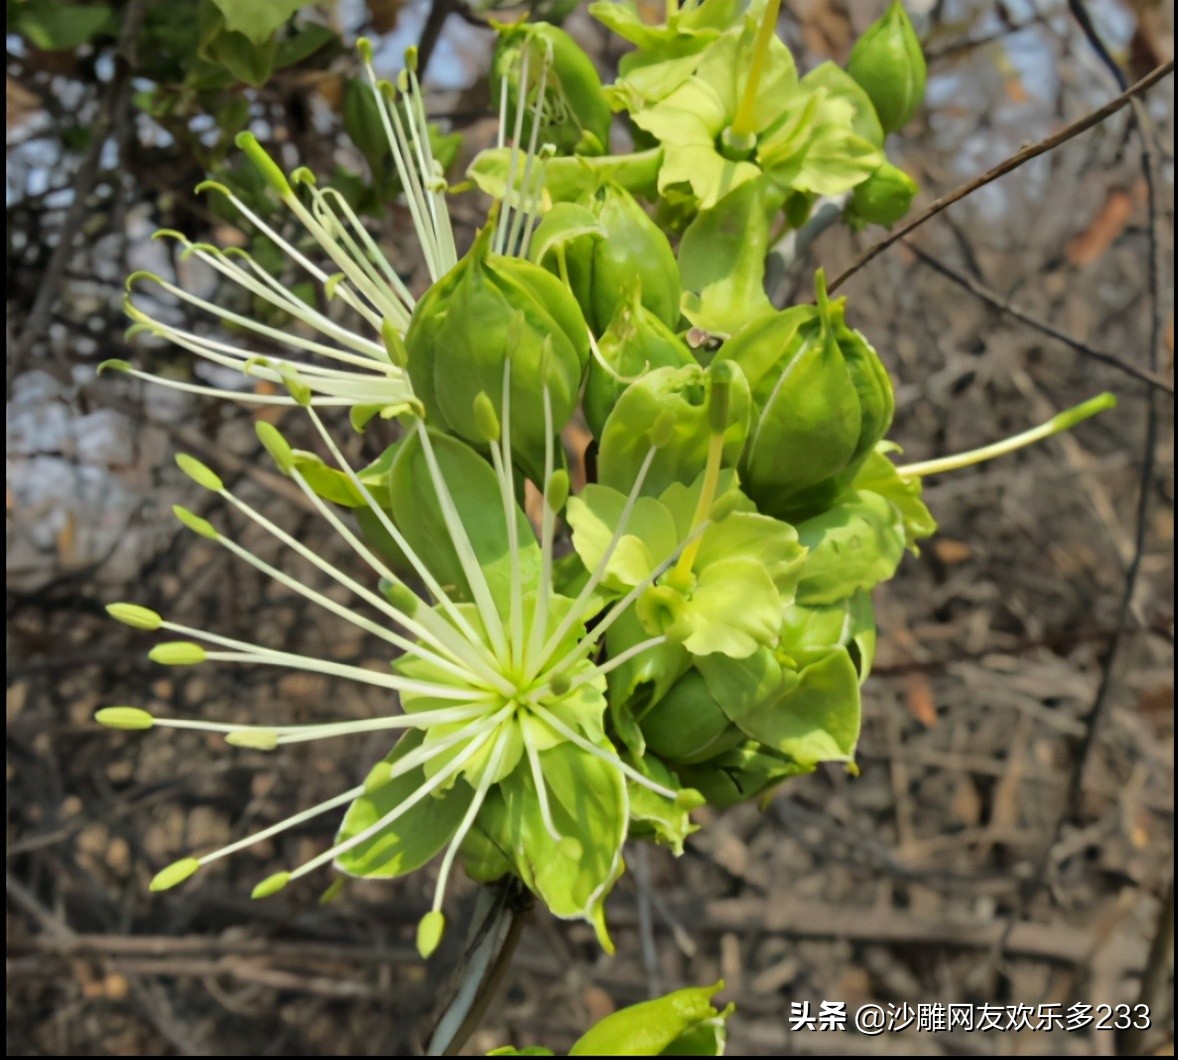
1004,843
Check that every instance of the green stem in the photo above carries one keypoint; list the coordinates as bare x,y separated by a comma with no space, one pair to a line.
1062,422
743,124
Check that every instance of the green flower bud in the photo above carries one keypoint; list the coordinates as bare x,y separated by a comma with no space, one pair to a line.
635,342
889,65
822,401
576,117
668,407
687,725
602,268
884,197
486,310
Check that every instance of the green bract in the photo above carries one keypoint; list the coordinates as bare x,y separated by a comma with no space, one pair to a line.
628,246
635,342
888,63
823,400
487,311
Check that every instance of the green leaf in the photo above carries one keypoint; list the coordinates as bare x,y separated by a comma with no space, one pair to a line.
416,836
310,38
257,19
245,60
56,27
855,545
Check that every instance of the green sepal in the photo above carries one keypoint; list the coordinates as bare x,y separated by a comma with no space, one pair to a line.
589,807
651,814
879,475
601,269
635,342
854,545
415,837
888,63
722,259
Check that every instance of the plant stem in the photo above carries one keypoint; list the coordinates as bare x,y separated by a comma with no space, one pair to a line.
1064,421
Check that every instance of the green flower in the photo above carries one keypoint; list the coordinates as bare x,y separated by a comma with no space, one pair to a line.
504,761
742,112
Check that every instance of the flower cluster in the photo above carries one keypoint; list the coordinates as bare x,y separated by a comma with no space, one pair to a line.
707,632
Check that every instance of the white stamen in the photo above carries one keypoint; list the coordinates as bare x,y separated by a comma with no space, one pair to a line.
608,757
476,804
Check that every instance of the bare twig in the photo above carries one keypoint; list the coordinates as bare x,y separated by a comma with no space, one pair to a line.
431,32
1012,163
87,176
996,300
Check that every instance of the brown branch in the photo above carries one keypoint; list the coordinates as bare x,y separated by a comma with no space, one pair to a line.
1002,304
87,176
1034,150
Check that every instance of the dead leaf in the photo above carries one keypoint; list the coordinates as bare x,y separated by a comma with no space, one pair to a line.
922,704
1156,700
950,551
1015,90
597,1003
1105,229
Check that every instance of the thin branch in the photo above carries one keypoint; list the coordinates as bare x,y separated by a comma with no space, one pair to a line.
996,300
1034,150
431,32
87,176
